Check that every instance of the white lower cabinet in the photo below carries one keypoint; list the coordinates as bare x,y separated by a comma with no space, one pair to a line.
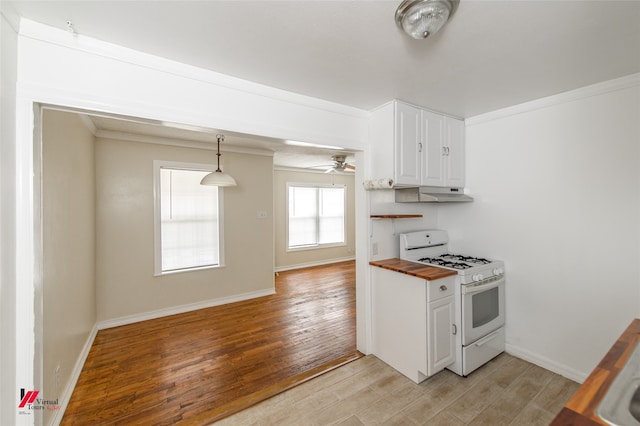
441,328
413,322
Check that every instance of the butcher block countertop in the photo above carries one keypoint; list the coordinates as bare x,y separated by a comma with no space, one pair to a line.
581,408
413,268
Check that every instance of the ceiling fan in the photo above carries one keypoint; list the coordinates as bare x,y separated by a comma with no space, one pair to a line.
339,165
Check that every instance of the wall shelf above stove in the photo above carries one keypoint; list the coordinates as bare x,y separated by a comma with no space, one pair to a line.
395,216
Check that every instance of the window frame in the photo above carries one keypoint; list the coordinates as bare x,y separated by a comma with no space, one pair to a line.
345,218
157,221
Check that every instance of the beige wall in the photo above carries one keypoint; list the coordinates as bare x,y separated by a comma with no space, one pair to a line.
288,260
125,235
68,186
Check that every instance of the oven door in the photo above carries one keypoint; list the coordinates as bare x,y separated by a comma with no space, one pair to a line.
482,308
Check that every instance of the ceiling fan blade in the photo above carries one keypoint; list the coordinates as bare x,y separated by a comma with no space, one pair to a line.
350,167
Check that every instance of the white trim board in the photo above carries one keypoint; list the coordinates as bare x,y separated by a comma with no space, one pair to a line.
73,380
546,363
144,316
159,140
311,264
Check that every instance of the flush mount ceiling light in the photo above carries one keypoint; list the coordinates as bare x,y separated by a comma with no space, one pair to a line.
422,18
218,178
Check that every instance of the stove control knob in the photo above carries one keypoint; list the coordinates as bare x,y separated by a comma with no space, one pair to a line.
498,271
477,277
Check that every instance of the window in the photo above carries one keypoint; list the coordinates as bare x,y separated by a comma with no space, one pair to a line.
187,218
316,216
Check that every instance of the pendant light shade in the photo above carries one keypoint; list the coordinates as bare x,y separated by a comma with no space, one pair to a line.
218,178
422,18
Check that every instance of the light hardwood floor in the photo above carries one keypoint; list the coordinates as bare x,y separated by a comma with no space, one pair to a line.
506,391
196,367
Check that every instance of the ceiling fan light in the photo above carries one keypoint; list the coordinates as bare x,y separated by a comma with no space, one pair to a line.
218,178
422,18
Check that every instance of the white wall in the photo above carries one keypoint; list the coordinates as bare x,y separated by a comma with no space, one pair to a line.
300,258
8,75
69,242
384,233
557,197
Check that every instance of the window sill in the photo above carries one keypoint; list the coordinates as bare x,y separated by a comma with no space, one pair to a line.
316,247
180,271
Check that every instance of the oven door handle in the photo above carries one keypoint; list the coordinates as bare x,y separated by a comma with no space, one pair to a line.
475,288
487,338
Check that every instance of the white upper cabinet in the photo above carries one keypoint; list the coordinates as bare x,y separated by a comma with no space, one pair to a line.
443,162
433,157
455,157
408,141
417,147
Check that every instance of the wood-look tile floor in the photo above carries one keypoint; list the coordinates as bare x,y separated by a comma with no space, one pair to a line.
199,366
505,391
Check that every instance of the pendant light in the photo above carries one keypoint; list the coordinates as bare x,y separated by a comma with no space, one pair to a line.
218,178
422,18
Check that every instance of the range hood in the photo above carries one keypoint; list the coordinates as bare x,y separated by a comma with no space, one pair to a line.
431,194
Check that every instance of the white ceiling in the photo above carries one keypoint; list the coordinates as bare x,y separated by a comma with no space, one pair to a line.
491,54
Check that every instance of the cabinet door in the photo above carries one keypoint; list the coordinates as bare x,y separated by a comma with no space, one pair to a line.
454,158
433,151
441,339
408,142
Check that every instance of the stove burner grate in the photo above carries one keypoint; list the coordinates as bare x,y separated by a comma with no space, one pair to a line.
444,263
470,259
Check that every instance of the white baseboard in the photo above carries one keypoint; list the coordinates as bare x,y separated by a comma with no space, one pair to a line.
546,363
144,316
65,397
311,264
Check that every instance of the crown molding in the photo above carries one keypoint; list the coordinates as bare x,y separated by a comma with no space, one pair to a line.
561,98
158,140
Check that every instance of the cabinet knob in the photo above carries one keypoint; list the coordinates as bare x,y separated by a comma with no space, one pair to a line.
443,288
454,329
419,146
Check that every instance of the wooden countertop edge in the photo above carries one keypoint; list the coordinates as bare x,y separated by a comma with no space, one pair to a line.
413,268
581,408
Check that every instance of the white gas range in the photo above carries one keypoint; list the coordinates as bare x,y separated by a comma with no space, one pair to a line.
479,296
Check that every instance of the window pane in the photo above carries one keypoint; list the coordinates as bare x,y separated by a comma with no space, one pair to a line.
331,215
302,216
189,220
316,216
